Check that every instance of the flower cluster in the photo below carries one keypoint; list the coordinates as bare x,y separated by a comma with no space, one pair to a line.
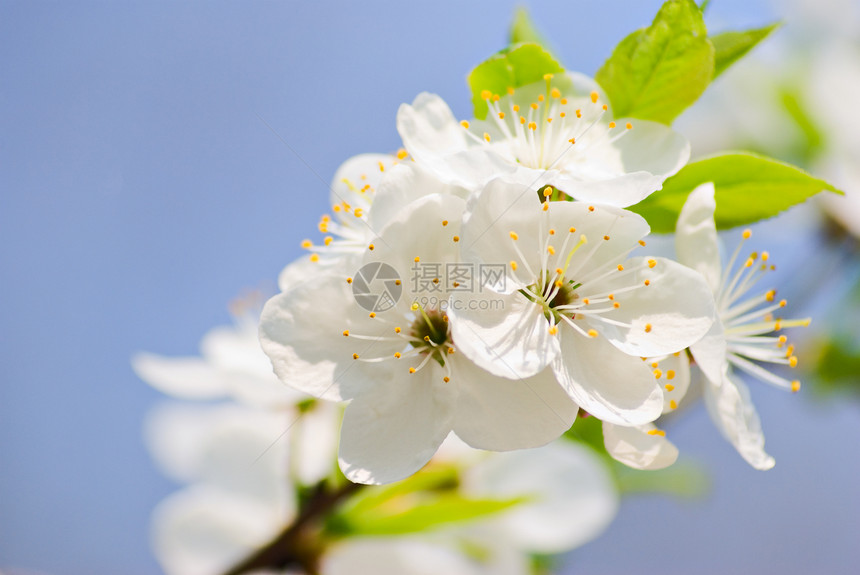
557,316
262,489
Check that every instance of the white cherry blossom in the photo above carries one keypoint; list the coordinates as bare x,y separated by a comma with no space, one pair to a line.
745,331
574,303
401,368
558,132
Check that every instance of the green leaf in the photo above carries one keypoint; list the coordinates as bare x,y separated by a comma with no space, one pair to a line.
748,188
405,516
655,73
523,29
729,47
685,480
438,478
516,66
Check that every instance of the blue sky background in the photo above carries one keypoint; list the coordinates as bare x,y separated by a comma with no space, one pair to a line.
140,191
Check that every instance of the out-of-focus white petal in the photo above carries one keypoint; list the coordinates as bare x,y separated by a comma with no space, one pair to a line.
202,530
392,430
710,353
396,556
505,334
501,414
675,379
183,377
733,413
636,448
606,382
696,235
572,496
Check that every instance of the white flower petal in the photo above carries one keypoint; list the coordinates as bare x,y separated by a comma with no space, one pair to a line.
696,235
671,313
395,556
621,191
606,382
710,353
402,185
183,377
301,331
429,130
636,448
392,430
733,413
357,172
572,496
506,335
501,414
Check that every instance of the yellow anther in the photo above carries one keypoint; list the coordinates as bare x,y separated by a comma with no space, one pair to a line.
357,213
747,234
381,169
349,280
522,119
658,374
616,305
396,355
545,206
547,191
534,106
514,236
594,96
605,107
572,140
642,243
496,97
336,208
769,296
765,256
510,91
606,238
435,280
551,232
659,432
555,93
673,404
456,284
670,375
355,356
486,136
446,379
647,328
553,330
328,240
397,282
749,263
795,386
417,259
532,126
592,333
559,271
655,364
586,301
572,230
540,98
590,208
611,296
444,222
401,154
516,108
323,227
456,238
465,124
371,247
371,315
564,101
620,268
777,326
411,370
629,126
669,386
549,120
611,125
307,244
561,114
652,263
782,303
486,94
513,265
559,284
550,250
415,306
501,115
315,257
647,282
397,330
346,333
547,76
792,361
782,340
450,350
427,338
